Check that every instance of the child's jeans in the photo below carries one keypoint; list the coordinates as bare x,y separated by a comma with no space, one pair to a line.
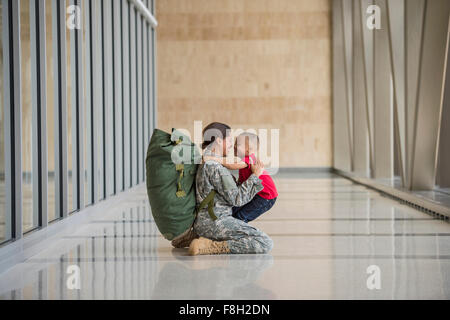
252,210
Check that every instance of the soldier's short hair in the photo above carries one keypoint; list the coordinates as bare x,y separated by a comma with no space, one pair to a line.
213,131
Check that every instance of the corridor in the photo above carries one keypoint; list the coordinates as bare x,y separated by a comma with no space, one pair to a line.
327,231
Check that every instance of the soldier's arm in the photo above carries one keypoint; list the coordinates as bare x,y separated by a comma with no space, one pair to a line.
235,195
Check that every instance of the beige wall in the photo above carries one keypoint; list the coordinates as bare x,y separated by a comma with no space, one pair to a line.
250,64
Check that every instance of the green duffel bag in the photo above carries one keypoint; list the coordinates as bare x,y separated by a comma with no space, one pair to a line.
171,166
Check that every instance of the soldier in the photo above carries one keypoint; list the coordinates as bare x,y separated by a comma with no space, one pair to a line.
225,234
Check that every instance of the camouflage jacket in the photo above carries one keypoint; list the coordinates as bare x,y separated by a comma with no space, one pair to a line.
213,176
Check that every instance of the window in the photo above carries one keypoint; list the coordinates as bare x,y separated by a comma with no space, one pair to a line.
71,65
87,83
29,209
3,217
50,85
84,128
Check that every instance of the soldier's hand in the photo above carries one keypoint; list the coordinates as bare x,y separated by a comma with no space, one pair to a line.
257,168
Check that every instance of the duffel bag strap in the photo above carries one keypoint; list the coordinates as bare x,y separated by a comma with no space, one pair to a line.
209,200
180,192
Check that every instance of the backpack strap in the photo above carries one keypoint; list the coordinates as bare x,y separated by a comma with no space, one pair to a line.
180,192
209,200
180,168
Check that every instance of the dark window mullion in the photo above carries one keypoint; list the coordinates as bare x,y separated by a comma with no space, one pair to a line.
144,23
123,96
77,118
113,99
137,93
131,95
91,76
39,112
15,197
60,129
102,22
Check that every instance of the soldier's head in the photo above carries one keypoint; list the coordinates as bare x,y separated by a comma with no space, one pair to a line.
218,135
246,144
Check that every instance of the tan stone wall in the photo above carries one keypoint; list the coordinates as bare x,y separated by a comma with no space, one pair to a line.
250,64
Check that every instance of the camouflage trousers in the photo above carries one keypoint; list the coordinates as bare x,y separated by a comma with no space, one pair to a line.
240,236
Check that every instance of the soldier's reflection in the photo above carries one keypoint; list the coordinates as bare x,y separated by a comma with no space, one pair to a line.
213,277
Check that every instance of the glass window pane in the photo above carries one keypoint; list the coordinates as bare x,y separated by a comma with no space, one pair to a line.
118,90
134,115
51,196
87,105
154,120
99,107
3,226
108,91
100,116
30,220
145,27
70,125
126,95
139,115
150,82
72,204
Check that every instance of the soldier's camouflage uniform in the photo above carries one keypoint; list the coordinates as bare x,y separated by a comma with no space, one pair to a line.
240,236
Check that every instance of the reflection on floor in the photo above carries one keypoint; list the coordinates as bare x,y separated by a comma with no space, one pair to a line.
327,231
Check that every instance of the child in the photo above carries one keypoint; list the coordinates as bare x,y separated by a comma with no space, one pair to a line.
245,147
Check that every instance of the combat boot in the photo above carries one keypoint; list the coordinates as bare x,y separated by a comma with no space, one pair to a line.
207,246
185,239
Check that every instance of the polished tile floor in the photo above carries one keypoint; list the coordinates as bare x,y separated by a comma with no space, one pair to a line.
327,231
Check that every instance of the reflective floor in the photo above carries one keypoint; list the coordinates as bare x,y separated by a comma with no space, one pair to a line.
327,231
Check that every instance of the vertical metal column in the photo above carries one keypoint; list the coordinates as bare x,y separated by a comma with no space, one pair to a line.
13,132
154,73
97,89
145,64
150,82
8,114
126,101
89,107
118,87
60,76
133,91
80,109
39,114
139,128
75,83
108,99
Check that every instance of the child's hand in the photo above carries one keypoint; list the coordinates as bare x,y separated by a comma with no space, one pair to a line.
257,160
257,168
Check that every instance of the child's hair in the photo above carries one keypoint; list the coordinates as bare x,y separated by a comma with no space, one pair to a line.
253,139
